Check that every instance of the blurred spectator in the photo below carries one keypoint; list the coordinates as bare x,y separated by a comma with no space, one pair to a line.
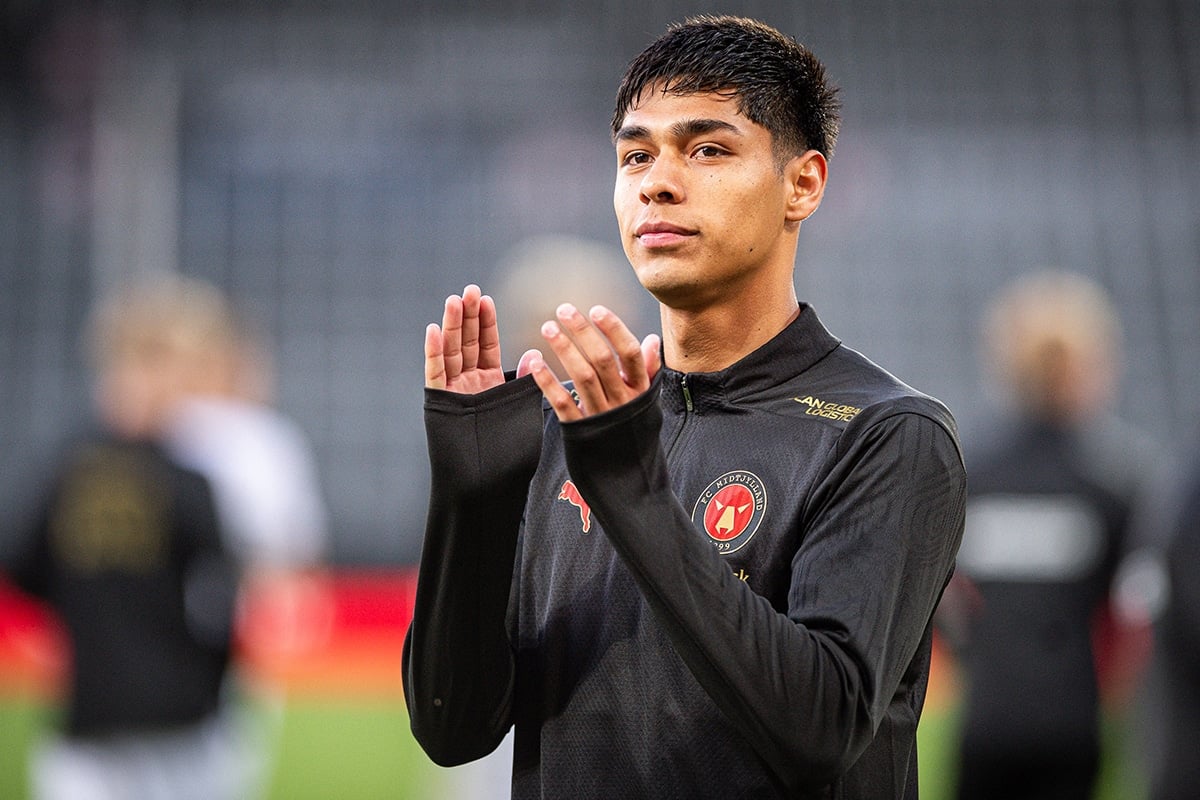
539,273
1160,586
264,477
1177,654
1051,496
126,549
259,461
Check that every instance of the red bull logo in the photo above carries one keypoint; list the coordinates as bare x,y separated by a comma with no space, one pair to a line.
572,496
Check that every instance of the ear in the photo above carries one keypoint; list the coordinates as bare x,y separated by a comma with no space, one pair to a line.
805,183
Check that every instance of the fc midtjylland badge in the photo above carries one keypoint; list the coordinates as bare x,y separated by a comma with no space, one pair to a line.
730,509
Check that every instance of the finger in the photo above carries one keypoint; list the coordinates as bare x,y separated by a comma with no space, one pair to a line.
470,327
593,343
489,335
591,363
552,389
652,355
524,365
435,365
625,344
452,322
579,369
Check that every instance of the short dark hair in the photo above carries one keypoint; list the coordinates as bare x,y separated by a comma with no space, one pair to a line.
777,81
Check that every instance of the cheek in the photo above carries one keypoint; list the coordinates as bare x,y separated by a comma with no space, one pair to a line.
759,213
625,200
627,243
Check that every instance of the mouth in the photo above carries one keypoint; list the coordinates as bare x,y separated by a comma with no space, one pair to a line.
661,234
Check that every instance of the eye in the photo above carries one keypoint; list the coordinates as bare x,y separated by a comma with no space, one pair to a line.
709,151
634,158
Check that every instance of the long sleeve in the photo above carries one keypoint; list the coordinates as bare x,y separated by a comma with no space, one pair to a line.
458,662
809,688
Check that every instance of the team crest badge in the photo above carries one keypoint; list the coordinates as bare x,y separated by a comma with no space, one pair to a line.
730,509
572,496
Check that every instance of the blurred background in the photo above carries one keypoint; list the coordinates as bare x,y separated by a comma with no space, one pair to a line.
339,168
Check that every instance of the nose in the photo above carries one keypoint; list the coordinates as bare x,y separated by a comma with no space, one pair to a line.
663,181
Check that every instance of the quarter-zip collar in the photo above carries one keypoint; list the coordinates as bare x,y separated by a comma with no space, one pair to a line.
804,342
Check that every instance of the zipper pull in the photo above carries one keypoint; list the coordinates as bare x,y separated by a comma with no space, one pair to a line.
687,394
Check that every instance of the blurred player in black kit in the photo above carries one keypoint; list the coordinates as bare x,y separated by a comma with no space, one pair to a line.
682,575
1175,769
126,547
1054,489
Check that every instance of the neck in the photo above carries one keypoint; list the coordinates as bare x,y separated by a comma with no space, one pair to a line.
711,339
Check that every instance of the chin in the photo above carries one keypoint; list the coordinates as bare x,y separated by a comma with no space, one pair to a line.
652,276
669,290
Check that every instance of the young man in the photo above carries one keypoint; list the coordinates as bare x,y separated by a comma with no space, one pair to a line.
724,559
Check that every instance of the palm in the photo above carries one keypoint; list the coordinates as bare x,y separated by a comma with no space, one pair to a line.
475,380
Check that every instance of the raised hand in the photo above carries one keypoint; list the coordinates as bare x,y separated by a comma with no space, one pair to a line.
607,364
463,355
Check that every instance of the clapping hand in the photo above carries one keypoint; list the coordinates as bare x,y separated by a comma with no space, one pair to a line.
607,364
604,360
463,355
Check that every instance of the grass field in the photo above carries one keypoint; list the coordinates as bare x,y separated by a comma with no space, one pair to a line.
360,749
327,694
339,748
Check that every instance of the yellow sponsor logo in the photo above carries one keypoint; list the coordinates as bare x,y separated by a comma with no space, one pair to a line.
828,409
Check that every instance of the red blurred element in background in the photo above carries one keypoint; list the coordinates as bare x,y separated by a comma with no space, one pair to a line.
336,632
33,647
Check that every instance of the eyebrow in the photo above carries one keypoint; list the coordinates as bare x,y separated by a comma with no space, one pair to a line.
683,129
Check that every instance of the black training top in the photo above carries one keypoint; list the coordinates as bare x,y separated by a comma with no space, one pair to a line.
723,588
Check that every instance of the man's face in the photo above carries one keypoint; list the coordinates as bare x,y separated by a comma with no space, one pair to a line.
700,202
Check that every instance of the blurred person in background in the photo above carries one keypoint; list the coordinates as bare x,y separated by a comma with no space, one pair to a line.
1052,495
1175,767
540,273
1159,587
127,550
259,461
264,476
